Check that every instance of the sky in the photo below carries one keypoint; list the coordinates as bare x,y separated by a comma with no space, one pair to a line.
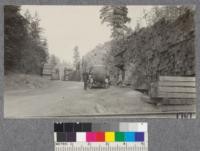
67,26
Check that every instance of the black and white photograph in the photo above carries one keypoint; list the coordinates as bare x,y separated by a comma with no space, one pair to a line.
135,61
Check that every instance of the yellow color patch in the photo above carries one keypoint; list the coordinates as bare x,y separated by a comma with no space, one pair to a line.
109,136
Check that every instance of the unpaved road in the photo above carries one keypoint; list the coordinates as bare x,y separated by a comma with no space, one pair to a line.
64,98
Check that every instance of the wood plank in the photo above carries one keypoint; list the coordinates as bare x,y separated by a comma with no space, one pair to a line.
47,69
178,101
48,65
177,84
46,72
177,78
175,108
177,89
177,95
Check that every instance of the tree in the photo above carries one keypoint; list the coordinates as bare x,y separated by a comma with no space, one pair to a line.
54,61
15,35
25,50
116,17
137,27
76,56
36,53
169,13
35,27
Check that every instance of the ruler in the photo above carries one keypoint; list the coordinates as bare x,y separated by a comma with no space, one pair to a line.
121,137
100,147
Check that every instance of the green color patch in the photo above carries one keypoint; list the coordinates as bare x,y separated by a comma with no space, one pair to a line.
119,136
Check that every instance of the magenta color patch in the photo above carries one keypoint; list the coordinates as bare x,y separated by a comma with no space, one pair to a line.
90,136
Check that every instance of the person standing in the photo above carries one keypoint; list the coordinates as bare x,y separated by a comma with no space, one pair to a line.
119,82
85,80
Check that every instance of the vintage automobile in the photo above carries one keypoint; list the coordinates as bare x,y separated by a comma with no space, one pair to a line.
98,77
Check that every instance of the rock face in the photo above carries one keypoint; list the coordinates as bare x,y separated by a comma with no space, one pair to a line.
163,49
166,48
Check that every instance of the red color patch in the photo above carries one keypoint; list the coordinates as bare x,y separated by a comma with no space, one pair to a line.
100,136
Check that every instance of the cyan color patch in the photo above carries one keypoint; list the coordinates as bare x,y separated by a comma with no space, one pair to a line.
129,136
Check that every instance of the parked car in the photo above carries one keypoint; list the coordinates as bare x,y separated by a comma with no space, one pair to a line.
98,77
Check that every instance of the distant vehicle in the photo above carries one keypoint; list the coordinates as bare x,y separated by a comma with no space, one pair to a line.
98,77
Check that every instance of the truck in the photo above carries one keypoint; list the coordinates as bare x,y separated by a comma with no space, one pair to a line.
98,77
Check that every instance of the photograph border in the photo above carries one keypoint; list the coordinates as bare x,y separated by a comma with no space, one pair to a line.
23,134
150,115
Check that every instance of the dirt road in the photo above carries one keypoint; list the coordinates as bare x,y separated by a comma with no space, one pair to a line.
64,98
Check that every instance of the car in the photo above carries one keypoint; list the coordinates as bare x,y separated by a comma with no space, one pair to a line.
98,77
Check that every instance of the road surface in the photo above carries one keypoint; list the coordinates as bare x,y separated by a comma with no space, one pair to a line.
65,98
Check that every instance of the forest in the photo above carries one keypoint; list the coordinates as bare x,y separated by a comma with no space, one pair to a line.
24,47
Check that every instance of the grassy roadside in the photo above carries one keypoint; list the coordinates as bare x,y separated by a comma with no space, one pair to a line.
14,81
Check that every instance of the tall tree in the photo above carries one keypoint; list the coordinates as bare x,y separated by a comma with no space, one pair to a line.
116,17
15,31
53,60
25,50
76,56
37,53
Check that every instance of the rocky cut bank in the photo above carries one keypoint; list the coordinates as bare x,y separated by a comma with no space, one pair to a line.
166,48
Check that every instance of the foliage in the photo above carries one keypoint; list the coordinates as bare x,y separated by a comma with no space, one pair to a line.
54,61
169,13
164,48
116,17
25,49
77,59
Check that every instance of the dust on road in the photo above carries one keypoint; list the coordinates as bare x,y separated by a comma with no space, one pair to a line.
64,98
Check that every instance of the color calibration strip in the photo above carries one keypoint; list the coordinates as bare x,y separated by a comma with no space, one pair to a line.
97,136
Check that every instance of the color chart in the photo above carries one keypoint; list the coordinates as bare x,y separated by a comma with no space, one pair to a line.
100,136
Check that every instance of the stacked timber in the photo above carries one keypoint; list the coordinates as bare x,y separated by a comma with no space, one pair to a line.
47,71
172,90
55,74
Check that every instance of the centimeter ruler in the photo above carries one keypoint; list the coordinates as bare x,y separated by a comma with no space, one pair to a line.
135,137
100,147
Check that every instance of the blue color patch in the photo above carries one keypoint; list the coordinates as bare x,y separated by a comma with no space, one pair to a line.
129,136
139,136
